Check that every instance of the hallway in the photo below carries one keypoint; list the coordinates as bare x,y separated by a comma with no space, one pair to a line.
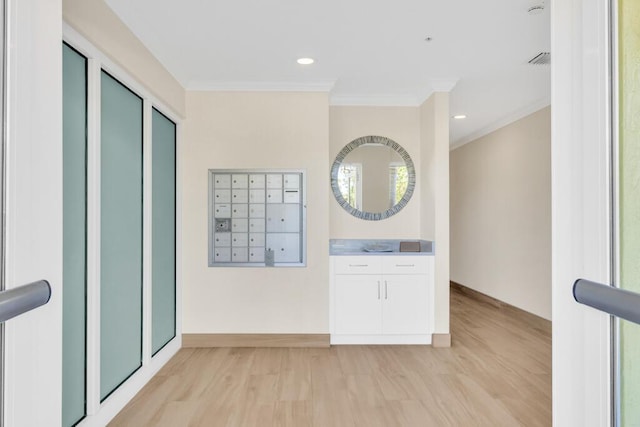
497,373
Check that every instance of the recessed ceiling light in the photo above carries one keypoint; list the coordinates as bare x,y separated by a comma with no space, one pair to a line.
305,61
460,116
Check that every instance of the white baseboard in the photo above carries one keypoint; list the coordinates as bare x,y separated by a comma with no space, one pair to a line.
422,339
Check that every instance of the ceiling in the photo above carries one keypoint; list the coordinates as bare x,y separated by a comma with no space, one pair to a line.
367,52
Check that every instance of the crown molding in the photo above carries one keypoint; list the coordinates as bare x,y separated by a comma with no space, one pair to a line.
377,100
506,120
317,86
443,85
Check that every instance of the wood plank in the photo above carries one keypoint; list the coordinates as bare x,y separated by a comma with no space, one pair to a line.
497,372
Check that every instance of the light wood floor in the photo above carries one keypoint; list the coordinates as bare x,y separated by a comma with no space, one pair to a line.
497,373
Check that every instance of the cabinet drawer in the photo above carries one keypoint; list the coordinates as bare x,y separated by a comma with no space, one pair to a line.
222,196
274,181
358,265
239,181
256,211
274,196
240,225
222,181
292,181
256,240
256,196
239,255
239,195
256,254
240,211
239,239
405,264
222,239
256,225
256,181
291,196
222,211
222,255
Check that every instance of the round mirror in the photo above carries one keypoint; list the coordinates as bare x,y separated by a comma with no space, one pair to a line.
373,178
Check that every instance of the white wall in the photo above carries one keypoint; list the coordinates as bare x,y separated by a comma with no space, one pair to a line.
242,130
501,214
400,124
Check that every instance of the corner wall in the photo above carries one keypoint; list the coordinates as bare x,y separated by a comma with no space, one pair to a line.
501,214
434,212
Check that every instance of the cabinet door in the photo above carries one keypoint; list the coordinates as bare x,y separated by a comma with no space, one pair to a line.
222,255
283,218
239,195
222,239
239,181
256,225
405,304
357,305
274,195
240,211
222,181
222,211
222,196
292,181
286,246
256,181
274,181
256,196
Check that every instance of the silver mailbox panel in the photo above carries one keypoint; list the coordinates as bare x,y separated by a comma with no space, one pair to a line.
255,211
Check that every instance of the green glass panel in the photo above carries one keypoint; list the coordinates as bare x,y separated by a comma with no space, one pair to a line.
163,231
629,80
120,234
74,118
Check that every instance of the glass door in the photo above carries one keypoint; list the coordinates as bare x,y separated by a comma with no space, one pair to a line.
628,67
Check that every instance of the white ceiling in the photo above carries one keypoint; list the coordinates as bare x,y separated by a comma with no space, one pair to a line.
367,52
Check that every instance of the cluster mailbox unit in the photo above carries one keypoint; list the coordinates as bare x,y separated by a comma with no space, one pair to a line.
256,218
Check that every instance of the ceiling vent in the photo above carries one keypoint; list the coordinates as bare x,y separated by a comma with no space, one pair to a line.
543,58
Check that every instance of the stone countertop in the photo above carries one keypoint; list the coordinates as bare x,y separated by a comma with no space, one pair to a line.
378,247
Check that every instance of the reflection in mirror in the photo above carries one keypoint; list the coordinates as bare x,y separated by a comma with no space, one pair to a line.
373,177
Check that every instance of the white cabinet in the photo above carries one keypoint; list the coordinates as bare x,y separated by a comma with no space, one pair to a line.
382,299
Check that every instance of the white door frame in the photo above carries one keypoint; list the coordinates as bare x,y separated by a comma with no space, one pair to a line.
581,206
33,341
